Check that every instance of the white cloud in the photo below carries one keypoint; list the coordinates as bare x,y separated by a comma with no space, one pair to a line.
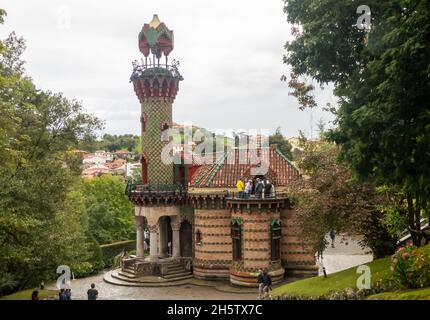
230,54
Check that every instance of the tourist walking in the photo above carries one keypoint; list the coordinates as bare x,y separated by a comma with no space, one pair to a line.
240,186
62,295
260,284
332,237
92,293
267,282
35,295
68,294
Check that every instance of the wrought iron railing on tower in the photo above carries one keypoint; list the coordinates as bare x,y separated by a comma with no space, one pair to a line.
137,188
153,68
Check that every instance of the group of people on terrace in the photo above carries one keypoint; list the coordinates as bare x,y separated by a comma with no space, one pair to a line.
257,187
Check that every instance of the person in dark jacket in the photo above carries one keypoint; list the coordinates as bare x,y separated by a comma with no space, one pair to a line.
35,295
259,188
62,295
267,189
92,293
267,281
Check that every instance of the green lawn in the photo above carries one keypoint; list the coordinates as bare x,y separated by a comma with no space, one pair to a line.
416,294
26,294
338,281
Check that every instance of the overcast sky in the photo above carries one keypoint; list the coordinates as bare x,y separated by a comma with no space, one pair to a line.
230,55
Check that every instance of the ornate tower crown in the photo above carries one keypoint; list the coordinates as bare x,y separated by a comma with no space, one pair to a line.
153,79
155,38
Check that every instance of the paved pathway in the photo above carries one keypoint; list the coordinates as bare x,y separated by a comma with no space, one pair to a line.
185,292
346,253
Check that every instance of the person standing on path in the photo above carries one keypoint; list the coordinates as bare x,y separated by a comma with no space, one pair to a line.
92,293
62,295
68,294
35,295
267,282
260,284
332,237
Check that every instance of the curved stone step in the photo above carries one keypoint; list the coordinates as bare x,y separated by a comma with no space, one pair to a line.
150,279
108,278
127,274
177,275
178,271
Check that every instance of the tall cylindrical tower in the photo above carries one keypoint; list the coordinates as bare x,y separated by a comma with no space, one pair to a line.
156,84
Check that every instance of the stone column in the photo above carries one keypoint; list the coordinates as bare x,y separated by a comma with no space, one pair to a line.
176,246
153,251
140,252
163,237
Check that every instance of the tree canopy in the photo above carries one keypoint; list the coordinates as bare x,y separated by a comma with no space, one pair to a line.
381,79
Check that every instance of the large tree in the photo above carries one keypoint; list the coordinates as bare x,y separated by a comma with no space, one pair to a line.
282,143
381,77
39,217
329,198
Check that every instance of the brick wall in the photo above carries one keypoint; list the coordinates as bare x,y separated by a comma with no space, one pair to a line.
213,254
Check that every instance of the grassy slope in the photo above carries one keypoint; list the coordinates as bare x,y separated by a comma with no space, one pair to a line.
416,294
338,281
26,294
317,286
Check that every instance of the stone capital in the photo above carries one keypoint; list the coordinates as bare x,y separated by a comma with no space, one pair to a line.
175,226
139,222
153,228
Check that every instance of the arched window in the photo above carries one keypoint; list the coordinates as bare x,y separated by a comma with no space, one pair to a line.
236,236
275,240
198,237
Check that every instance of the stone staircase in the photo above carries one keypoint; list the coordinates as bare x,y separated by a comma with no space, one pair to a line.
176,271
174,274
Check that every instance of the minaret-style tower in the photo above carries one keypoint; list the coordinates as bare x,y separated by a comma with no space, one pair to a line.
156,85
157,198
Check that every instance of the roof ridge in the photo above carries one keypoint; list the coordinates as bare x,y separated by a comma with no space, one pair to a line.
205,173
218,165
286,159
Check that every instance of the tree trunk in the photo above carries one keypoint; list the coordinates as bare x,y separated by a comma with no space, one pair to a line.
411,220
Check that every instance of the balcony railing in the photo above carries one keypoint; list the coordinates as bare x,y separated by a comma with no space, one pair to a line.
155,68
246,196
137,188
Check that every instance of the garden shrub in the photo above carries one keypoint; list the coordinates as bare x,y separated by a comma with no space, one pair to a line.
110,251
83,269
411,268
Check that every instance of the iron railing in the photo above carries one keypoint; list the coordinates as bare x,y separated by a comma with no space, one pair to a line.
252,196
137,188
149,69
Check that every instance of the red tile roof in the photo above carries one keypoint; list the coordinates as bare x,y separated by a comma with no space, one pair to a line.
238,163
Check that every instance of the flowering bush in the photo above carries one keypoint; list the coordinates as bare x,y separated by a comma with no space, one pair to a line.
411,268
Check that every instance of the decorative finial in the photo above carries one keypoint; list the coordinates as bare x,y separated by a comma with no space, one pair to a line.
155,21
